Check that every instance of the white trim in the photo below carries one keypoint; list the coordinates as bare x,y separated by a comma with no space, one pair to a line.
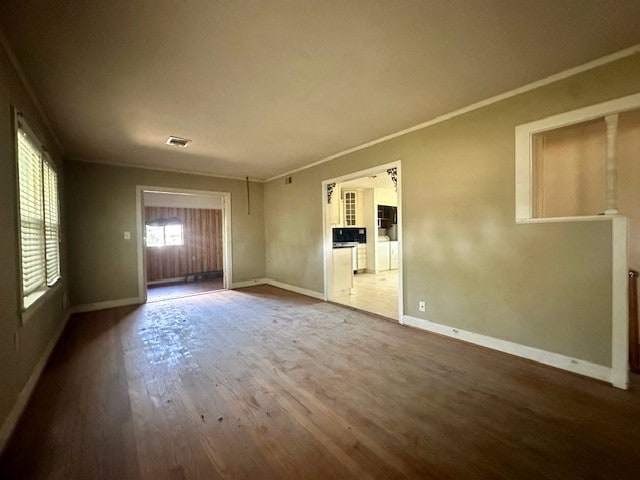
619,304
227,244
293,288
141,258
327,242
475,106
28,312
581,367
10,422
92,307
250,283
400,233
584,218
524,147
167,169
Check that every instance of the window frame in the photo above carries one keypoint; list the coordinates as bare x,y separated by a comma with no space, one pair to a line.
29,304
524,158
164,236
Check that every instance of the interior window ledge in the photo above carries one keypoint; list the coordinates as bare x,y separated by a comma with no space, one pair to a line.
585,218
37,299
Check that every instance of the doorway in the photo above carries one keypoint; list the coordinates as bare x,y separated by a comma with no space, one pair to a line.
362,215
183,243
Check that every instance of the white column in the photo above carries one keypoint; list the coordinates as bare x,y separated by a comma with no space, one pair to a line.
612,165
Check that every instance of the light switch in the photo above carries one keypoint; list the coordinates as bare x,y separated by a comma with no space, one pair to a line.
127,235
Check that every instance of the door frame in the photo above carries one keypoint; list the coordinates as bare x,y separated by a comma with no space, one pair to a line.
327,238
227,254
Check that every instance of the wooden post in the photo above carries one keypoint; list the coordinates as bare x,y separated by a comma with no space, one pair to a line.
612,165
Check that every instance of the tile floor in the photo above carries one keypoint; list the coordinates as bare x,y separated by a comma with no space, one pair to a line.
376,293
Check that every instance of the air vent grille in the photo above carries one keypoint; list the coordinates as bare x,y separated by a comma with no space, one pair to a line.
178,141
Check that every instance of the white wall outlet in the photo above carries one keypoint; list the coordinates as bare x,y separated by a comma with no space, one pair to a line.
127,235
422,306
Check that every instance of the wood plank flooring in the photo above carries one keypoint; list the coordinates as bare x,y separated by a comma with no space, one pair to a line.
264,384
168,291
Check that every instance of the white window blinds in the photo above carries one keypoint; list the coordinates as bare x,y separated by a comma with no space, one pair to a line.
31,215
39,219
51,223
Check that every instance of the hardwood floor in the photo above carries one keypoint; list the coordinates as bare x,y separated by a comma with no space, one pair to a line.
167,291
261,383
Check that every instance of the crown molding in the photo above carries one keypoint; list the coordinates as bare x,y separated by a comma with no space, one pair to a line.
475,106
27,86
167,169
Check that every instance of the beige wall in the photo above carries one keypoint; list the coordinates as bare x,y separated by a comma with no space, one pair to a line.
18,361
101,203
573,163
543,285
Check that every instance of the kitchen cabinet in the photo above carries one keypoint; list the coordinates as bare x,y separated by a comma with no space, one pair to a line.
350,206
362,256
382,252
393,255
342,270
387,253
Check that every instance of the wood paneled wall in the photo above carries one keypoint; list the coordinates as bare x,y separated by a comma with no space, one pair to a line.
202,249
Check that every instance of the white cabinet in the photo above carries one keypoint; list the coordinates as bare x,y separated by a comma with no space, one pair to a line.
362,256
382,252
393,255
342,270
350,206
387,253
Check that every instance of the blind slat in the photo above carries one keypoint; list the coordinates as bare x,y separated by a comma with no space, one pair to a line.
52,227
39,217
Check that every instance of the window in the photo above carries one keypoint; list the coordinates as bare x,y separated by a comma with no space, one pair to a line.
39,218
163,235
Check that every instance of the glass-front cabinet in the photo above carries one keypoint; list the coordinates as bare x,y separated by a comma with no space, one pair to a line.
350,208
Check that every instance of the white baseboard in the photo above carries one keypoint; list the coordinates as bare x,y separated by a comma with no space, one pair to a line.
581,367
9,424
249,283
293,288
284,286
91,307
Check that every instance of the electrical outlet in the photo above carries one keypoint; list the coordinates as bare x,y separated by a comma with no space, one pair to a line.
127,235
422,306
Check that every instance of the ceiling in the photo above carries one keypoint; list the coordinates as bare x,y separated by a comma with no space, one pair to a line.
266,87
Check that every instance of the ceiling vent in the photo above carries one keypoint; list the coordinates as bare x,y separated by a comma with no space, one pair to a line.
178,141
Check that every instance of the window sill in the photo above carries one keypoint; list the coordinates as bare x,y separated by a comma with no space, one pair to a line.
586,218
34,301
